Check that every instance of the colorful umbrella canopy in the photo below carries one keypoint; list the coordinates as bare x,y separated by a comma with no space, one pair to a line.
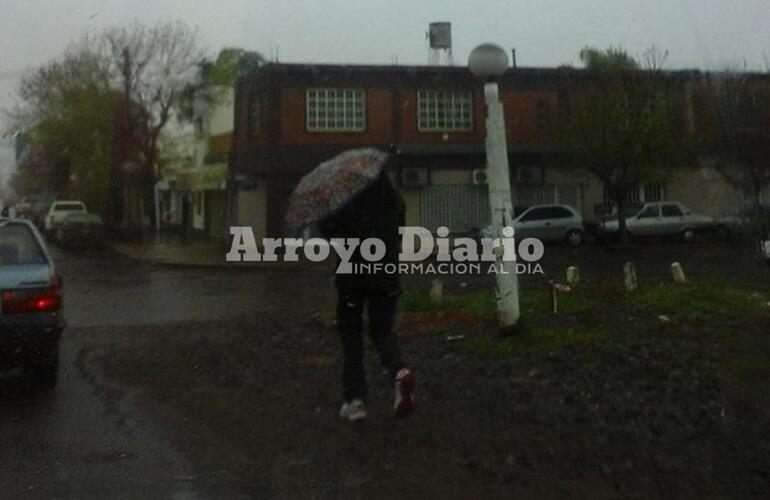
332,185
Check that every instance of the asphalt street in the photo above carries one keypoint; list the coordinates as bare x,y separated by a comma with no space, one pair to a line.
79,441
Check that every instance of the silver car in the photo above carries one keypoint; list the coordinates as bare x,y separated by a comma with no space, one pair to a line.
548,223
658,219
31,319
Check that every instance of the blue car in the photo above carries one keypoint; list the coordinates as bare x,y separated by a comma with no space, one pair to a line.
31,317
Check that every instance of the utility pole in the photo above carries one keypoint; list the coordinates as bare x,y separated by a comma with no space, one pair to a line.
123,135
489,61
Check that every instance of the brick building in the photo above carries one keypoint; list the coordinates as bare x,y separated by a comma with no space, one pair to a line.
290,117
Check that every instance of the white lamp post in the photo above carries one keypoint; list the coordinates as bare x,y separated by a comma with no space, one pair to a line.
488,61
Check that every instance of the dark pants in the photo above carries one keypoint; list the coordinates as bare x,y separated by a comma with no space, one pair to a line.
382,309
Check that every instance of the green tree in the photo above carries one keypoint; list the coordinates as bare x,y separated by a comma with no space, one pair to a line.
230,65
629,126
68,108
610,60
104,104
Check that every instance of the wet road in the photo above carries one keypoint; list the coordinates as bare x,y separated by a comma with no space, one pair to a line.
83,442
80,442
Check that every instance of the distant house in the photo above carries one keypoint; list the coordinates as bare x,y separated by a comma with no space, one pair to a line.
290,117
194,186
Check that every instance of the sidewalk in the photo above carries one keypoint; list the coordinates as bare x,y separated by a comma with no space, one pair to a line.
209,254
194,254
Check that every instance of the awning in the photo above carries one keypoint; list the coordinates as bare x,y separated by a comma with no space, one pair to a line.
206,178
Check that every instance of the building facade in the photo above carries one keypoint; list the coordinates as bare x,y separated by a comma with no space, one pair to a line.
291,117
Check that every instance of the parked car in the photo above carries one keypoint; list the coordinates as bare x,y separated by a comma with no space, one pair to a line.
31,317
659,219
58,211
766,250
548,223
80,228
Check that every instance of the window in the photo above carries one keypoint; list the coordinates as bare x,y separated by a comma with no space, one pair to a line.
254,118
537,214
543,118
18,246
672,211
335,110
444,111
560,213
69,207
649,213
650,192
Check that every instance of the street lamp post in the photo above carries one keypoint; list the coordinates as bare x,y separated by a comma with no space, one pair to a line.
488,61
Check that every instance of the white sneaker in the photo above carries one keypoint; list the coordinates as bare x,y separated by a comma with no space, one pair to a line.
404,403
355,411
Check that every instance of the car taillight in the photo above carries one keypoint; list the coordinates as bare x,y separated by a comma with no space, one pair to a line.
32,301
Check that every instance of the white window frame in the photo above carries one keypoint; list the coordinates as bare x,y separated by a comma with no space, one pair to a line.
454,104
350,102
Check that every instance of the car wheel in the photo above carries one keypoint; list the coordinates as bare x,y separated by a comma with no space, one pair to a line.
574,237
688,235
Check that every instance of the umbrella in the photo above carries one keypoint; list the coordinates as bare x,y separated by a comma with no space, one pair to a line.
332,185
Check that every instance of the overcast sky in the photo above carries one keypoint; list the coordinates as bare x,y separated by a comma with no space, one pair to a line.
698,33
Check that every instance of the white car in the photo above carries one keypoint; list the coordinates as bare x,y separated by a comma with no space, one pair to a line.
548,223
58,211
666,218
766,250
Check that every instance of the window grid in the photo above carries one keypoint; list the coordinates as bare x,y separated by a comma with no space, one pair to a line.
444,111
335,110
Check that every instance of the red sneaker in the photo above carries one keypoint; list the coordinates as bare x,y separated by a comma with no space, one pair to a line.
404,404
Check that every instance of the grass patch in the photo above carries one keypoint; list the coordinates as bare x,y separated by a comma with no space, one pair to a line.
534,302
529,342
703,297
604,316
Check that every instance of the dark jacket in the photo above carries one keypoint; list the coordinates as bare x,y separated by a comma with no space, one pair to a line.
376,212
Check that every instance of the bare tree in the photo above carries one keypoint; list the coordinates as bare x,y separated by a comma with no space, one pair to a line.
733,116
105,104
629,127
154,66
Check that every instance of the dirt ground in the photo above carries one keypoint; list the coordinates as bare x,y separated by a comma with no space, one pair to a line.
662,397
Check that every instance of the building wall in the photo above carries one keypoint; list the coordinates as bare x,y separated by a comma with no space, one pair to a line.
412,201
521,116
446,177
220,119
252,208
704,191
284,150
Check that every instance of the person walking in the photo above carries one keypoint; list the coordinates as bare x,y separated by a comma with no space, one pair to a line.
376,212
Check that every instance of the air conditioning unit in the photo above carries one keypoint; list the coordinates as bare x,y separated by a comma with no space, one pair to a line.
480,177
528,175
414,176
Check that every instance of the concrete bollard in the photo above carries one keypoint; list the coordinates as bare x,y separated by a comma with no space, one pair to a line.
573,276
678,273
436,292
629,277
